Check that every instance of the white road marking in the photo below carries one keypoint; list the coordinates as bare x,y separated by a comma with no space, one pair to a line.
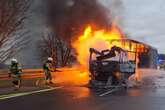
108,92
3,97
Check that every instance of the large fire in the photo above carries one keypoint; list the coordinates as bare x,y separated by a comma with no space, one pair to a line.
98,39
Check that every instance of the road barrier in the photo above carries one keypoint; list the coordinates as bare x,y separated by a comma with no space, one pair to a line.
27,73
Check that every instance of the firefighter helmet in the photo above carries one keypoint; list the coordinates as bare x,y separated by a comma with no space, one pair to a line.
50,59
14,60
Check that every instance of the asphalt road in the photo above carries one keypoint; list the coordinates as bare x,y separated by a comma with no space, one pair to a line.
82,98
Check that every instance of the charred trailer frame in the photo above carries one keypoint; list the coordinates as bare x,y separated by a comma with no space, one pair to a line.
146,55
102,70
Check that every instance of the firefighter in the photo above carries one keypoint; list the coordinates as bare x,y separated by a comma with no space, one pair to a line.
15,73
48,68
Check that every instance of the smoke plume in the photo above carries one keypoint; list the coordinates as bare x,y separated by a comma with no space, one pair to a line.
68,18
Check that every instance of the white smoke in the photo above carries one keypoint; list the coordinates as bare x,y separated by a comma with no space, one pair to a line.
148,78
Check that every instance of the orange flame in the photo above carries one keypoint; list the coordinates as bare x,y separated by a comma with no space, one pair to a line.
72,76
98,39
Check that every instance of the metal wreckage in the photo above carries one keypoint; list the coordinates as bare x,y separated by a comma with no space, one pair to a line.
107,72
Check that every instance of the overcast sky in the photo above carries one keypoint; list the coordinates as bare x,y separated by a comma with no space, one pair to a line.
144,20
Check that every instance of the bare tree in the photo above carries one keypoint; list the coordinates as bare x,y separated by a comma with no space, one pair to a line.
52,46
12,35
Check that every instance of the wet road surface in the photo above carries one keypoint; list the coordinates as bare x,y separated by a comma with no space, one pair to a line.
82,98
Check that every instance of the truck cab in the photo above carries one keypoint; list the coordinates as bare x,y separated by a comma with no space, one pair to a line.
110,66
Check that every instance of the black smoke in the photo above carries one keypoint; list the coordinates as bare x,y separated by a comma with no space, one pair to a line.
68,18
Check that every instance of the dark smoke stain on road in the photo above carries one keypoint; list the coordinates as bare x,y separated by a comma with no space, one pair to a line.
70,17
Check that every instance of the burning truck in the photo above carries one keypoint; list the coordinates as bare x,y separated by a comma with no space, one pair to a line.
96,50
82,28
106,59
106,71
109,72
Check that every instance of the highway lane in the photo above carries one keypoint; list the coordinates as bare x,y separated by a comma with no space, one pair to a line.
82,98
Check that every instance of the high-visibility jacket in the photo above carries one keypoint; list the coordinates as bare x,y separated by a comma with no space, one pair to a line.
48,67
15,69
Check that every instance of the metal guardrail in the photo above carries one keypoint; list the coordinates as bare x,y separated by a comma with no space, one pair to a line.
27,73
